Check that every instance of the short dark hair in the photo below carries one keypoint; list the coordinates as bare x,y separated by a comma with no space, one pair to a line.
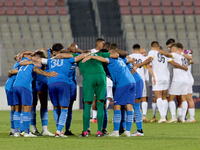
170,41
57,47
113,46
174,45
106,45
136,47
103,50
40,54
154,44
179,45
99,40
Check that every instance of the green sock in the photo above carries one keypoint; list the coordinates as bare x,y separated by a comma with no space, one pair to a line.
86,116
100,114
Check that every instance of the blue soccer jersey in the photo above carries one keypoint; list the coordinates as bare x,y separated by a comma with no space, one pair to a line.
10,81
62,67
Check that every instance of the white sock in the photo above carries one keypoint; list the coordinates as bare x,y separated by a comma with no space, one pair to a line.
165,107
44,128
107,103
12,130
154,107
144,108
172,108
94,114
91,112
192,113
184,109
160,107
33,128
179,113
58,131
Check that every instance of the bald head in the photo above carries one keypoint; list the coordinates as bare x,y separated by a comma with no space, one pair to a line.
73,48
143,51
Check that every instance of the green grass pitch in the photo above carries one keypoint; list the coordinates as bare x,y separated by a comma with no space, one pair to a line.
177,136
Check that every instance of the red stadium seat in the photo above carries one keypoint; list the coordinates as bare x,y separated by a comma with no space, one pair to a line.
125,11
157,11
166,3
178,11
2,11
60,3
40,3
145,3
196,3
19,3
62,11
136,11
197,11
30,11
134,3
155,2
51,3
29,3
1,3
8,3
10,11
188,11
167,11
123,3
146,11
187,3
51,11
20,11
41,11
176,3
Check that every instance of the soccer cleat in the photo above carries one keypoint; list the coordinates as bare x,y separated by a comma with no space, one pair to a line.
137,133
16,134
89,132
36,132
190,120
145,119
153,119
162,120
172,121
29,135
182,121
94,120
104,132
127,133
47,133
11,134
84,134
22,133
114,134
121,131
68,132
60,135
99,134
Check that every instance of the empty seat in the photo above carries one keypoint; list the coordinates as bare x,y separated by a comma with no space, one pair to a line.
176,3
12,19
10,11
43,19
128,27
66,27
51,11
179,18
130,35
55,27
181,35
60,3
33,19
180,27
157,11
1,3
167,11
53,19
19,3
188,10
190,27
2,11
189,18
192,35
57,37
170,27
198,28
171,35
63,11
47,36
4,27
149,27
197,10
196,3
14,27
184,42
29,3
146,11
45,28
168,18
123,3
140,35
35,27
64,19
155,3
125,11
51,3
151,35
178,11
36,36
40,3
8,3
137,18
24,27
161,35
6,36
134,3
147,19
158,19
38,44
29,45
20,11
160,27
187,3
30,11
41,11
16,36
126,18
139,27
145,3
166,3
135,10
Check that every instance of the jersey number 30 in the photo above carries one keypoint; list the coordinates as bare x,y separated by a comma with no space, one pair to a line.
56,62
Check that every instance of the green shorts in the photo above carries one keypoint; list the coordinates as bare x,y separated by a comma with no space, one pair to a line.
94,84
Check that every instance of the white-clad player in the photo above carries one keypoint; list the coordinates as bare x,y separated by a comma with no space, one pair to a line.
139,58
179,83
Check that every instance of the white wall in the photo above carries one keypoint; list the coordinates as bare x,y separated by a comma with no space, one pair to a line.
4,105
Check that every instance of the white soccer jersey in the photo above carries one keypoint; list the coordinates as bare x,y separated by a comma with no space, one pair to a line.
160,65
180,75
94,50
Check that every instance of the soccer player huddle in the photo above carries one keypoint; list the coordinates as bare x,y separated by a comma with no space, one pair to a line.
108,73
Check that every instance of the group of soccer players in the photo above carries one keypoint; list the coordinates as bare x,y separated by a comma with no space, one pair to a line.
108,73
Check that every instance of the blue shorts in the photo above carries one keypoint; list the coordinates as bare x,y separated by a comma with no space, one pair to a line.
22,96
59,93
41,86
73,88
9,95
139,89
125,95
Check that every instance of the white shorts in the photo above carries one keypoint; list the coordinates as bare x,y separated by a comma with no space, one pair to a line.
178,88
161,85
109,92
190,89
109,82
144,92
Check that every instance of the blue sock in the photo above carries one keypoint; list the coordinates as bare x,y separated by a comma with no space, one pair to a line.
62,119
33,116
123,120
11,119
44,116
26,121
105,122
16,118
56,114
138,115
117,119
21,122
69,119
129,121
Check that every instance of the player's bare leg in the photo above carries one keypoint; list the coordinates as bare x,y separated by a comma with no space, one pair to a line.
191,108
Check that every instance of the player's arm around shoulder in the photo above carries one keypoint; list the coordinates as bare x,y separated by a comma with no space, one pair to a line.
177,65
82,56
44,73
114,54
25,62
12,72
165,53
62,56
99,58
